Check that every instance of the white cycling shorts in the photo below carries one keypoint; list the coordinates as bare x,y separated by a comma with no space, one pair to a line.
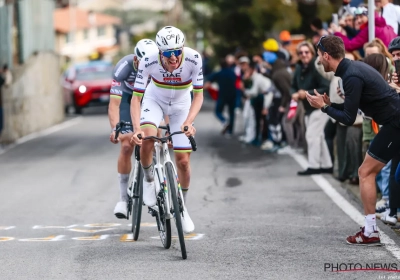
153,111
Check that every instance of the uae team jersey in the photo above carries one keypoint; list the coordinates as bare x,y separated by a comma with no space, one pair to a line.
166,86
124,76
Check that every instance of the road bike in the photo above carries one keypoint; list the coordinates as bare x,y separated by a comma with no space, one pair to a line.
170,202
135,189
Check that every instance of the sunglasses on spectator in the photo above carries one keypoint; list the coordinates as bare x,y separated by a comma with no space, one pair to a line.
169,53
304,52
319,44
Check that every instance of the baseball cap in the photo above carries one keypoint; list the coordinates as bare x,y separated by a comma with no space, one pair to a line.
244,59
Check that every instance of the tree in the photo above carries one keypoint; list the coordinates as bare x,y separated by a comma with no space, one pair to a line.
242,24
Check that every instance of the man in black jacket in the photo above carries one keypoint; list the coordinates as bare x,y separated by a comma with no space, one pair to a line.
365,89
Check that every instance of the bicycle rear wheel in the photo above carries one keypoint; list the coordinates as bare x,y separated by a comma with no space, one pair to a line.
137,203
177,207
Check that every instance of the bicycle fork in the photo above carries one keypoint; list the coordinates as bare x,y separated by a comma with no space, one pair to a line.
162,179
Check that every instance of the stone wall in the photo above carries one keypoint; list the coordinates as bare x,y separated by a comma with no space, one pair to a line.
34,101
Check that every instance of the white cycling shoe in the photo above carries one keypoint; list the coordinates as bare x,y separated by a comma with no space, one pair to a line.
149,193
121,210
187,223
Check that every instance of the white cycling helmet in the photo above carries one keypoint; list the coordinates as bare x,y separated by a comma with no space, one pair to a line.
145,46
169,38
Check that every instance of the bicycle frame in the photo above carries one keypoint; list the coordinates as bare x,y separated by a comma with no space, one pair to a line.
160,171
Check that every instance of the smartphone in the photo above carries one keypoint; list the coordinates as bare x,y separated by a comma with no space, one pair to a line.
335,19
397,66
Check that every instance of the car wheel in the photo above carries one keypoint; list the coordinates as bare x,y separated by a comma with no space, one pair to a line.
77,108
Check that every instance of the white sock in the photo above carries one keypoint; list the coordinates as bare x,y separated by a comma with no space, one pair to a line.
148,173
370,224
184,192
123,186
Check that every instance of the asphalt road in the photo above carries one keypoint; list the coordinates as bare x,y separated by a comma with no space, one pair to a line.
254,218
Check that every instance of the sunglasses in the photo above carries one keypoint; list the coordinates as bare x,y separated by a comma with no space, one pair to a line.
304,52
319,44
168,54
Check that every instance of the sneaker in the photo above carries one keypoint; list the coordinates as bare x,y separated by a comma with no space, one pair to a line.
149,193
309,171
267,145
381,206
187,224
285,150
225,128
389,220
360,239
327,170
121,210
242,138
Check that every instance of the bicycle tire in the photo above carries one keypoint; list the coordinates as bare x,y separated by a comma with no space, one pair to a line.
178,221
163,224
137,204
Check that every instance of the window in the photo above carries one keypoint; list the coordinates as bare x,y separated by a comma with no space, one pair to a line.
85,34
101,31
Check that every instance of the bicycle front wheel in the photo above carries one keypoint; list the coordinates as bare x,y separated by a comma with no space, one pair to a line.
163,224
137,203
172,184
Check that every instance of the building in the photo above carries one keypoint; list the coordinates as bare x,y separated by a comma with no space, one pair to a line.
33,101
80,33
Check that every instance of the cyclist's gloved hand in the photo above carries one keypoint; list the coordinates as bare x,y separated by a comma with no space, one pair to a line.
135,139
191,130
169,141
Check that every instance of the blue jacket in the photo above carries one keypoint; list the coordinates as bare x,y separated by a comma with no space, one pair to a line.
226,80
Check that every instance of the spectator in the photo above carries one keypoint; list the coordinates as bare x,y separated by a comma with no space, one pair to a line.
382,31
258,89
347,23
226,80
390,216
272,45
345,8
281,79
377,46
306,78
379,62
316,26
390,12
261,65
382,179
285,39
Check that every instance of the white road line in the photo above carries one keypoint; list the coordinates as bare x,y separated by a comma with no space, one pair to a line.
42,133
343,204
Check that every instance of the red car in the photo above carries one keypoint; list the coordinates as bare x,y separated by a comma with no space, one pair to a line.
86,85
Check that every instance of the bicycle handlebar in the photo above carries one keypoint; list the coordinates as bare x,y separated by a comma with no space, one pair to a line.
169,137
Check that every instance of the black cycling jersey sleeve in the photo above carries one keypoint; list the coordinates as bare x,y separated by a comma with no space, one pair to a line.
338,106
347,113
